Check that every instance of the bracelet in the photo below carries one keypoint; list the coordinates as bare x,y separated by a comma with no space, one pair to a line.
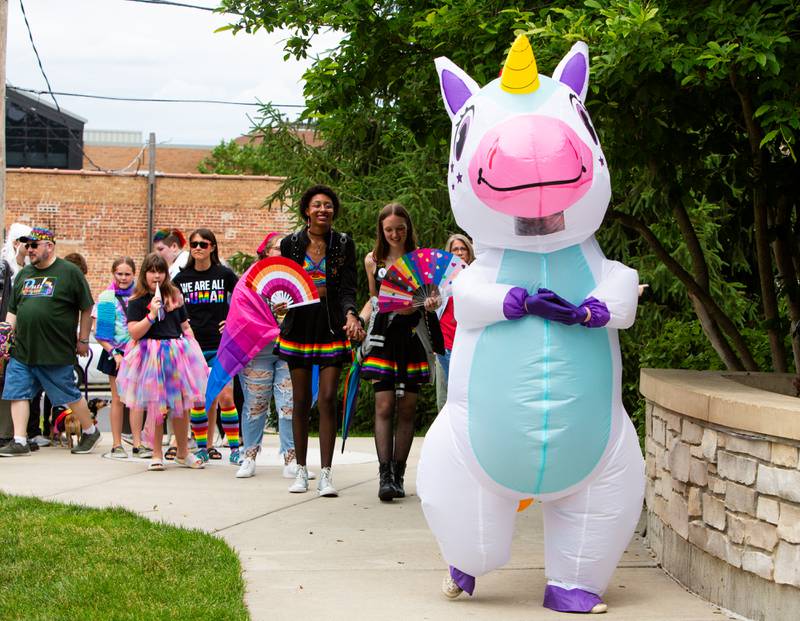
84,341
152,321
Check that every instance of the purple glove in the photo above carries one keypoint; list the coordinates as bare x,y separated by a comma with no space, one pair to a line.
549,305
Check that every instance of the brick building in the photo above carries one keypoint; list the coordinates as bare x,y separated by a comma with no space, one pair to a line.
117,150
103,215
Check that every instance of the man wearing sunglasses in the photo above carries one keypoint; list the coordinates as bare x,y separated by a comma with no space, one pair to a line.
50,313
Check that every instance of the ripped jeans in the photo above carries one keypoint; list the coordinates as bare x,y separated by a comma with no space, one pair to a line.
264,376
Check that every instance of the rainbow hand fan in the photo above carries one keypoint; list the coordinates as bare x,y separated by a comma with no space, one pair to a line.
417,275
281,280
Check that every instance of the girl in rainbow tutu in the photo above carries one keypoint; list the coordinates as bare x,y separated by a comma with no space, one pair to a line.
164,371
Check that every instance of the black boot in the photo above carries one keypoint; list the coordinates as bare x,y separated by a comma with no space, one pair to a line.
399,468
386,488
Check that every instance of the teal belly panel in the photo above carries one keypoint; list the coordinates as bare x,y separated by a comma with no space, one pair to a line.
540,392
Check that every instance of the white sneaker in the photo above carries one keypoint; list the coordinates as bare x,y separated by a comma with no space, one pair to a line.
450,588
290,471
40,440
300,484
246,469
325,486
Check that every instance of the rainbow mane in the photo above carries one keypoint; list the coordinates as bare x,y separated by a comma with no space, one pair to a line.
281,280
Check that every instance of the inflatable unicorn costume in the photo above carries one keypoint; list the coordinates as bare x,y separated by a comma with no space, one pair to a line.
534,409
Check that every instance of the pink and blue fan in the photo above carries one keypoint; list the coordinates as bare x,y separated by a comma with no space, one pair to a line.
417,275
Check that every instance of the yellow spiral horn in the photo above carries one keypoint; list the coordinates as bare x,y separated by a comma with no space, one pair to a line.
520,75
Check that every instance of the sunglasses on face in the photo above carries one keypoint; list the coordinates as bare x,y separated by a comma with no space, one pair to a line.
33,245
199,244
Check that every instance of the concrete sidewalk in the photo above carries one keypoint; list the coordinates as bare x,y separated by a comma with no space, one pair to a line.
348,558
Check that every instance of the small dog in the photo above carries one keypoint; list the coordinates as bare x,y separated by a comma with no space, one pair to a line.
95,405
65,423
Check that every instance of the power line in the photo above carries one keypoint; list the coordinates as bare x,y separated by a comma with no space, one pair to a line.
38,58
180,4
155,100
78,140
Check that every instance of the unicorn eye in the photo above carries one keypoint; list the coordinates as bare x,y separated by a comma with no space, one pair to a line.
462,131
576,103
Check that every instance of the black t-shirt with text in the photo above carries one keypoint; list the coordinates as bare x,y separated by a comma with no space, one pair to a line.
207,296
167,328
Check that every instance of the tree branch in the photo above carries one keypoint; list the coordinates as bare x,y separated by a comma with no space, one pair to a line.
741,361
761,224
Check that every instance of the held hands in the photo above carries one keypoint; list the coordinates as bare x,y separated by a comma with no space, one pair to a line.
353,328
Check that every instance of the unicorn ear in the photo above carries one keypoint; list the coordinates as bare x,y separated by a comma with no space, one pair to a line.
573,70
456,85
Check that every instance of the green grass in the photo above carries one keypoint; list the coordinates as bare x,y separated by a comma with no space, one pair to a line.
69,562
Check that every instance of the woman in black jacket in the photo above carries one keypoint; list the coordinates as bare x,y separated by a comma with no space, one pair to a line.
317,334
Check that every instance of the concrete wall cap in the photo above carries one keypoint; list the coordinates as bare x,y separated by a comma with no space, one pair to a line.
725,398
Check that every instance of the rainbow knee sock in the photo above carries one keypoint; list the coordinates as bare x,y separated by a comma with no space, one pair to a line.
230,425
199,422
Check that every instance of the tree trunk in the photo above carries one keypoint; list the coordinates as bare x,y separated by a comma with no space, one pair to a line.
716,338
700,273
769,299
781,246
745,360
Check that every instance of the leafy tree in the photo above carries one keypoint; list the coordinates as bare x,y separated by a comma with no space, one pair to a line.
697,108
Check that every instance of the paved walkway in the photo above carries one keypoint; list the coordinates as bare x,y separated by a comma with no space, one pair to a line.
347,558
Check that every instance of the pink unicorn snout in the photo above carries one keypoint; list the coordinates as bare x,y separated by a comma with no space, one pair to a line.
531,166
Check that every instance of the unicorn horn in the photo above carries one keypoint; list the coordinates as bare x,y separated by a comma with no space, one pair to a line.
520,74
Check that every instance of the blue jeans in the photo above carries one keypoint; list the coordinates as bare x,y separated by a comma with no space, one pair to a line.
444,361
24,381
266,376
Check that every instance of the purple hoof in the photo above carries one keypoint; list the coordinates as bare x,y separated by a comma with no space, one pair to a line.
571,600
465,581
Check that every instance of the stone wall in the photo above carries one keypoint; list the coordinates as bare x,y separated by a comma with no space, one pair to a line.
730,491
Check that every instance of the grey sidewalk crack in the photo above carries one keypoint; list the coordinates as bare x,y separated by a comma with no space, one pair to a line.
287,507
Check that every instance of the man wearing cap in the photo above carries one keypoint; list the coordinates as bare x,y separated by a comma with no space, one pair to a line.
48,298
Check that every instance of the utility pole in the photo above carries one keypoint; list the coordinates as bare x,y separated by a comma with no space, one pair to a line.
151,189
3,37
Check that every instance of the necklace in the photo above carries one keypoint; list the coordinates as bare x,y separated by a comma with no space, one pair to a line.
317,243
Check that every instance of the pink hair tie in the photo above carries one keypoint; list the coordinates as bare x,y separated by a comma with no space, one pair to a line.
266,241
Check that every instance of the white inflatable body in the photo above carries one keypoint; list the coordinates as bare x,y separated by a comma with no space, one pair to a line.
534,408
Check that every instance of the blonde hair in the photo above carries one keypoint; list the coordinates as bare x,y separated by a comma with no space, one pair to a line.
464,240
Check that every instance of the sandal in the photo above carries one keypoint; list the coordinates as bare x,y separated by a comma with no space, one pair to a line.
156,466
214,454
172,453
190,461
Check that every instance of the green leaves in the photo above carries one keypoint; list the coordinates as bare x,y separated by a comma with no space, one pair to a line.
669,82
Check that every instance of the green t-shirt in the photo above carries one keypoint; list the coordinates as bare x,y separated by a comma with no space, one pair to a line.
47,303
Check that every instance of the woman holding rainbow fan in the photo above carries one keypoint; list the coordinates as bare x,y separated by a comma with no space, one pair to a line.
317,334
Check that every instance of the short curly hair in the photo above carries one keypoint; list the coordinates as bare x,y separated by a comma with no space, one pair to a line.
311,192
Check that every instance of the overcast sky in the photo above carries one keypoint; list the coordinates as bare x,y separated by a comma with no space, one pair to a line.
131,49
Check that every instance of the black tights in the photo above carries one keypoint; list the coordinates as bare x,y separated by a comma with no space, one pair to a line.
396,448
326,404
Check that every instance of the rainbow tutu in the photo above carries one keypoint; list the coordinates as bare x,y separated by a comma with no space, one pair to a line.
160,376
